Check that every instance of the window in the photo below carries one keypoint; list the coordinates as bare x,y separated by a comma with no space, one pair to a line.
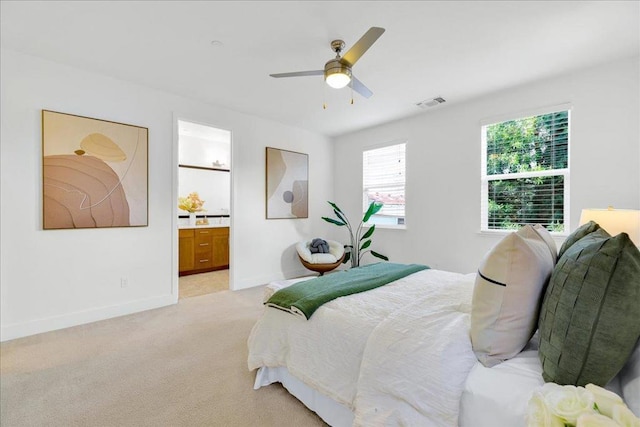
525,172
383,180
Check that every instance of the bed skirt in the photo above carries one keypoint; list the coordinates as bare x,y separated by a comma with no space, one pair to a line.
332,412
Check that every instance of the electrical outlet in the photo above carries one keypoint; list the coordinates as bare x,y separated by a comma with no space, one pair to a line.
124,282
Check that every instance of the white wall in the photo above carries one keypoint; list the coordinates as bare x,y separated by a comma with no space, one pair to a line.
443,162
213,187
58,278
197,151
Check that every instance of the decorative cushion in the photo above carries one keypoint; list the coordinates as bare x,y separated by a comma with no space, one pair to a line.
589,321
507,294
336,250
578,234
546,236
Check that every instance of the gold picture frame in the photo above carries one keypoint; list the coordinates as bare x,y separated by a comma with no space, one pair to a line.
94,173
287,184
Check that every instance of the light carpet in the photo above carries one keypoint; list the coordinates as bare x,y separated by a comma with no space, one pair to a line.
183,365
195,285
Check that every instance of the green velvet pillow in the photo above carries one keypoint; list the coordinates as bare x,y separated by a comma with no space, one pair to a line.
589,321
578,234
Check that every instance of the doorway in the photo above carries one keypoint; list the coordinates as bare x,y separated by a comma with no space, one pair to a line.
204,208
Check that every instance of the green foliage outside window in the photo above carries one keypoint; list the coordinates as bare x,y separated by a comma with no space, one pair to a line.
527,145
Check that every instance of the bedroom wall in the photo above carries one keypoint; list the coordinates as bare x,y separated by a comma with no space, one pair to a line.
443,162
58,278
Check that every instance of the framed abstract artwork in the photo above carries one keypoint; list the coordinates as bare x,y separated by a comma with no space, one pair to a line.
287,190
94,173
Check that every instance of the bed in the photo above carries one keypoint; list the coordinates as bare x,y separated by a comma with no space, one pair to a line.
399,354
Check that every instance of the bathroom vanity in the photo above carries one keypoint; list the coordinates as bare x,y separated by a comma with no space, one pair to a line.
202,248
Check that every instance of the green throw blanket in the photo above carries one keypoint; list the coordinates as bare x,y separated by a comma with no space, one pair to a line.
304,298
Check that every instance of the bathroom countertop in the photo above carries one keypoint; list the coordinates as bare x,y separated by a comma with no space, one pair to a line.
183,227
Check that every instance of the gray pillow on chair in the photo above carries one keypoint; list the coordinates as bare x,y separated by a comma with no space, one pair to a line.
589,321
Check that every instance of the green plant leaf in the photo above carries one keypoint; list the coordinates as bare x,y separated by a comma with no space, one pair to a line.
335,207
339,215
374,207
347,257
377,255
333,221
365,245
377,207
369,232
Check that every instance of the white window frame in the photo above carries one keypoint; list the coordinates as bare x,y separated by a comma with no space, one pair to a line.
484,178
364,208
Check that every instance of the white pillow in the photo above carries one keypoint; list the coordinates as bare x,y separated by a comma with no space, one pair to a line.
507,295
303,250
546,236
322,259
336,249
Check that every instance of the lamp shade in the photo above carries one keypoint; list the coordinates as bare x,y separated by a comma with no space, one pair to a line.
615,221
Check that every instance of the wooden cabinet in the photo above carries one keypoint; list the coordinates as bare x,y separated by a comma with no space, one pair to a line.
203,246
186,254
203,249
220,247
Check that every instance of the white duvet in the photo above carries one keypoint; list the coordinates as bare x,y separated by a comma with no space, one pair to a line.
395,355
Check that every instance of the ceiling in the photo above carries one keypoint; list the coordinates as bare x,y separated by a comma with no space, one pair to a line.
457,50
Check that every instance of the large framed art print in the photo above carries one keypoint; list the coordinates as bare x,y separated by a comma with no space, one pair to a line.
94,173
287,193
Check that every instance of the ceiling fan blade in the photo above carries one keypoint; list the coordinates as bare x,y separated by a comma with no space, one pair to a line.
362,45
299,74
360,88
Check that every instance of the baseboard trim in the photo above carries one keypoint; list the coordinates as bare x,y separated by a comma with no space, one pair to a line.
38,326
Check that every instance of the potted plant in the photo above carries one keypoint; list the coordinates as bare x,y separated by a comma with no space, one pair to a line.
192,204
360,243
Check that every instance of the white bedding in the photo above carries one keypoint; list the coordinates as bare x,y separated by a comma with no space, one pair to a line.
400,355
332,412
408,351
498,396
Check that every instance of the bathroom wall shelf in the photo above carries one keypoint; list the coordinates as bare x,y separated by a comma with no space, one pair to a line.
204,168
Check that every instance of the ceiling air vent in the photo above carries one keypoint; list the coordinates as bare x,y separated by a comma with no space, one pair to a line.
427,103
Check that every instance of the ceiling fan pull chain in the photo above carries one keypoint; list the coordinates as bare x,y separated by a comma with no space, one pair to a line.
351,86
324,97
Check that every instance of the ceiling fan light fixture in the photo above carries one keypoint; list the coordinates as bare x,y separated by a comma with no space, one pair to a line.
336,74
338,80
337,71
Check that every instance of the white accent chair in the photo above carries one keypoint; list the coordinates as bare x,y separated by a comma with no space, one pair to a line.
321,263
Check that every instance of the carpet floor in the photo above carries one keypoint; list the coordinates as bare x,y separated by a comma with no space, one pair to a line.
195,285
183,365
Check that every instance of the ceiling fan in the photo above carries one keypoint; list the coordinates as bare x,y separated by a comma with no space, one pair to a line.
337,72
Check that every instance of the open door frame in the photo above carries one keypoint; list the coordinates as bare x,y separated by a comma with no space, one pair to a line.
174,195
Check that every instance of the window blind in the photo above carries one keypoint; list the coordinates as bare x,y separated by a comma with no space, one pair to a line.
383,177
525,172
